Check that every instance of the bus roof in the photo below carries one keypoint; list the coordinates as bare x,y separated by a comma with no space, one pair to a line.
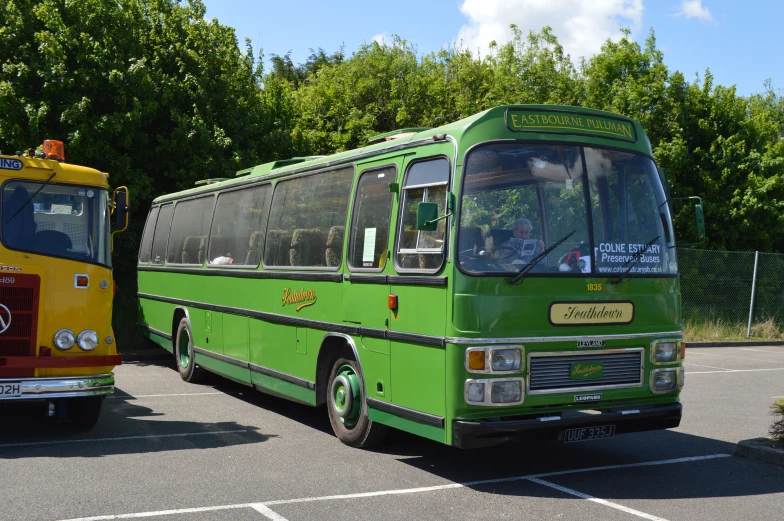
33,168
562,122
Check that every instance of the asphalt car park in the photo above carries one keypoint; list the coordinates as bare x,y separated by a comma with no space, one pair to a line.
168,450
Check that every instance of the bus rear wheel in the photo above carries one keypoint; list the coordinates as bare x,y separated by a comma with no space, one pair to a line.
347,407
183,353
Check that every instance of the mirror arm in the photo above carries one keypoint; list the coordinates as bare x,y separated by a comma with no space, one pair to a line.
439,218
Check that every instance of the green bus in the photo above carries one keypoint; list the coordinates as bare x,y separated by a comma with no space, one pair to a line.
506,276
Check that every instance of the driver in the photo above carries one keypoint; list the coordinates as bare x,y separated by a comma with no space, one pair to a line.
519,246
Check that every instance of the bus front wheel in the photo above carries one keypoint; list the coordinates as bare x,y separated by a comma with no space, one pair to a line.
348,409
84,412
183,353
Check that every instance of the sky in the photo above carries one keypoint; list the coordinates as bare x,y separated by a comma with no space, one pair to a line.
739,41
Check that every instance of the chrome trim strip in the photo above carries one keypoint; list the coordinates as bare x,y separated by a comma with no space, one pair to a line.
578,354
301,382
540,339
157,331
409,414
221,358
61,386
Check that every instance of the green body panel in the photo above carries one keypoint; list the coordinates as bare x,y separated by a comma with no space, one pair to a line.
414,374
426,431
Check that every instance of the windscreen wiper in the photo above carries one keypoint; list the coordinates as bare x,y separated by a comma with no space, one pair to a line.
634,260
30,199
528,267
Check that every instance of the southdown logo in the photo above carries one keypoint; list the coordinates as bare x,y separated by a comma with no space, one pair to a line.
5,319
299,296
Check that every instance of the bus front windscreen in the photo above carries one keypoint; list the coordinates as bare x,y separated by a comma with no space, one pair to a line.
57,220
520,200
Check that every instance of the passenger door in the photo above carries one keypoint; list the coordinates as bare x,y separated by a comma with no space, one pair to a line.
367,261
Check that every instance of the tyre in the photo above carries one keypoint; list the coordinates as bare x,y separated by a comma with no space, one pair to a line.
347,407
183,354
84,412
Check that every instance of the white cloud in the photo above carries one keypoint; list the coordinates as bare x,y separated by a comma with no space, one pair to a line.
695,9
380,38
581,26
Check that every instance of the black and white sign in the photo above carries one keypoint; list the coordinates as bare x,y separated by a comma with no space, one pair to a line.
596,397
590,343
10,164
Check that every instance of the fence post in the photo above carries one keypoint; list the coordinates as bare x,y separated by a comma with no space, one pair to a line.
753,291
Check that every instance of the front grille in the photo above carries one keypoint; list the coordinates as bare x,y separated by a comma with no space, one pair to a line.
19,294
550,372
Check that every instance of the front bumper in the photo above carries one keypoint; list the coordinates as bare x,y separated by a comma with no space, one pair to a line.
468,434
60,387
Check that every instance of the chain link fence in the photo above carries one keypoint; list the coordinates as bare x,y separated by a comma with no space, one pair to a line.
732,287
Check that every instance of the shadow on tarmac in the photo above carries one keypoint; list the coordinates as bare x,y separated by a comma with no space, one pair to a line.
26,431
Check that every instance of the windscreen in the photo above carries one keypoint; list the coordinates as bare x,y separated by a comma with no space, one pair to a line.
57,220
530,206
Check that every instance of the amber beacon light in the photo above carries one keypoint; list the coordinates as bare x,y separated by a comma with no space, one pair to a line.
54,149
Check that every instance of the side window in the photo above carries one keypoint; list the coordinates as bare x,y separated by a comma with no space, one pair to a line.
189,230
238,227
161,237
426,181
149,229
370,222
308,217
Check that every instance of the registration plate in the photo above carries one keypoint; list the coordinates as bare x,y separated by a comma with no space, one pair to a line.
588,433
11,390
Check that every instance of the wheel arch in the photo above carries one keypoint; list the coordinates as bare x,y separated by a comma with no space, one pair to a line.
334,346
179,313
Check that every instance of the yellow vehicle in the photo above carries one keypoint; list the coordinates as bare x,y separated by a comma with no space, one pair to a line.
56,286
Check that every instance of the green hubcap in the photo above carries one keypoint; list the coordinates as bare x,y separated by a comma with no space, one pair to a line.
184,343
347,396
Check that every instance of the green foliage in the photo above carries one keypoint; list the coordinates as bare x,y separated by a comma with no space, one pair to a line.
777,429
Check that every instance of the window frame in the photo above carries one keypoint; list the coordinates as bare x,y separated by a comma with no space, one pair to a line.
395,168
283,179
168,242
586,195
141,243
401,210
44,183
268,206
168,231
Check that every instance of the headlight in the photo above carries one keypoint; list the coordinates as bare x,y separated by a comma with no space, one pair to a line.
475,392
494,392
665,352
87,340
64,339
507,359
498,360
510,391
666,380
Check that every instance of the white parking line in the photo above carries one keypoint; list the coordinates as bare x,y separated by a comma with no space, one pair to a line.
530,477
735,357
267,512
761,351
121,438
597,500
689,364
133,396
736,371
